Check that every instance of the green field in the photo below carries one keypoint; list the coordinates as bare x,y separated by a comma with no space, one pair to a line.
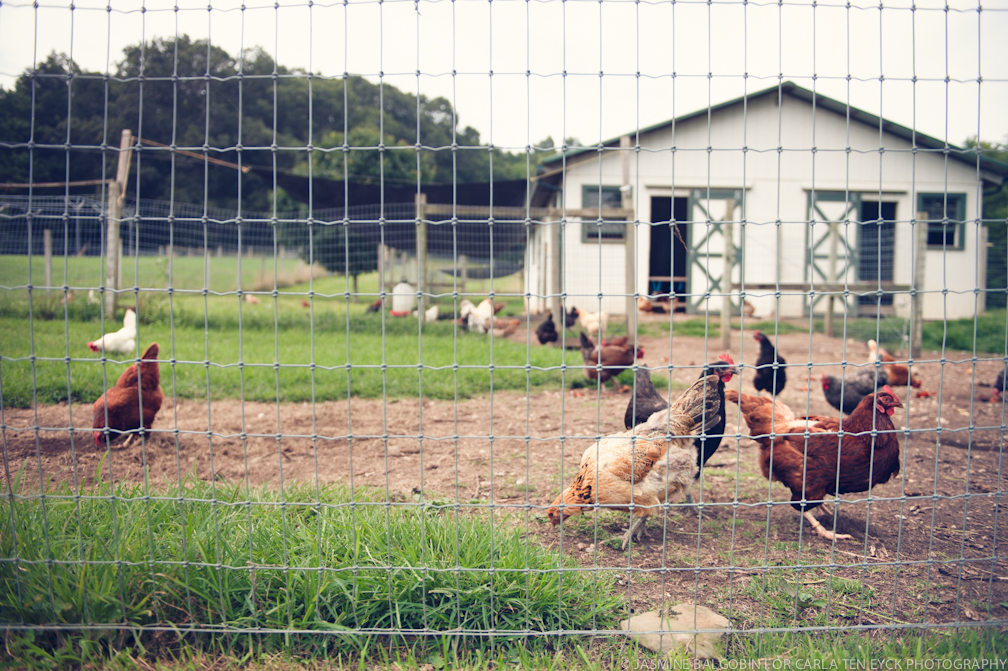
187,272
219,273
230,346
331,350
241,362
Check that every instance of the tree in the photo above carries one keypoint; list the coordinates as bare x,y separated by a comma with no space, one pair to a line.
192,94
365,158
339,250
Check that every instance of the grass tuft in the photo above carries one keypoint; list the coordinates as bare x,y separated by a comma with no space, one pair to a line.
213,557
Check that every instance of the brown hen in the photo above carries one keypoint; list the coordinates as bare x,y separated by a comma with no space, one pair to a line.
864,462
121,403
614,359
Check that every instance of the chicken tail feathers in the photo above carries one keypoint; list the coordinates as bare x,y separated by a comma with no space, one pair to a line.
695,411
761,414
150,370
130,321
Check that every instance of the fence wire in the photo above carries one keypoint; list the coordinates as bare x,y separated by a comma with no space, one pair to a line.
397,386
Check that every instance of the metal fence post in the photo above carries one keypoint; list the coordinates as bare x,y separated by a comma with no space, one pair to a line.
421,251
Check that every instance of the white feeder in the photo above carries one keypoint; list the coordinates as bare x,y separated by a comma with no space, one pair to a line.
403,299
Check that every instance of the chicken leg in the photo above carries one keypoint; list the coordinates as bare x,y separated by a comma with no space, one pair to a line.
637,531
821,530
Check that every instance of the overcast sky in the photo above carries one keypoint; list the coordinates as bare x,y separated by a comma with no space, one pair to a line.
672,46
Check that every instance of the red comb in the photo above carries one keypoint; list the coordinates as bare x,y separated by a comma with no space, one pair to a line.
727,359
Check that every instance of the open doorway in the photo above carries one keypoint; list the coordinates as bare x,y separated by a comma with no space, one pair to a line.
668,259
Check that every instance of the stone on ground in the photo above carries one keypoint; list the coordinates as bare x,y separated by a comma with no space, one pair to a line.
678,623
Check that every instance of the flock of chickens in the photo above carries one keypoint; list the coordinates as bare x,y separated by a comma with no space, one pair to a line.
664,448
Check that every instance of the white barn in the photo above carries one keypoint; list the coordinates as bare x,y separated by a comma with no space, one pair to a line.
781,164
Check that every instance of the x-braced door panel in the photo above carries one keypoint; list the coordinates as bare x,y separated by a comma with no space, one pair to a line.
831,243
709,211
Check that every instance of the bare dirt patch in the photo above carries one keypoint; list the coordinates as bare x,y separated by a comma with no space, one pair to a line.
518,451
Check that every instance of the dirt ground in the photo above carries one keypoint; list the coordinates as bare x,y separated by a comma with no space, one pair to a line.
519,450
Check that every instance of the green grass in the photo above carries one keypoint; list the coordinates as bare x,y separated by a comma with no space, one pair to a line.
301,561
149,271
955,334
990,333
257,347
257,274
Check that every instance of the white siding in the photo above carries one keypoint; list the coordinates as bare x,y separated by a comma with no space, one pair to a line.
813,155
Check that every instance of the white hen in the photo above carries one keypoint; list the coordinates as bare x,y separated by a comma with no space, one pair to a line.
122,341
430,314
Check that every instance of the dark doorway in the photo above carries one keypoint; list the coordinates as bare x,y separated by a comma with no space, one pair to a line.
875,248
667,269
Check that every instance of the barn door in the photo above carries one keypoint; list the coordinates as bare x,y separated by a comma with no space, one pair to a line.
831,242
709,210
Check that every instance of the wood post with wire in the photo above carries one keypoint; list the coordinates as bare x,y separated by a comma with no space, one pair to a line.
113,243
831,300
629,241
47,251
920,272
555,274
728,235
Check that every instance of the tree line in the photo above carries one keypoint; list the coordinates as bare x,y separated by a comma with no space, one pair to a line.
246,109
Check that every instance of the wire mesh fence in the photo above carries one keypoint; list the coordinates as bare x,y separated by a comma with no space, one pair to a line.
735,374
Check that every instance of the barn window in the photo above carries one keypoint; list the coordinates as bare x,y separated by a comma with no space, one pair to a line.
605,197
944,213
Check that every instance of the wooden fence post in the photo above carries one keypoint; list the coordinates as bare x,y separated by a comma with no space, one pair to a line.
556,275
830,301
113,243
629,243
728,236
920,229
381,269
47,251
112,251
